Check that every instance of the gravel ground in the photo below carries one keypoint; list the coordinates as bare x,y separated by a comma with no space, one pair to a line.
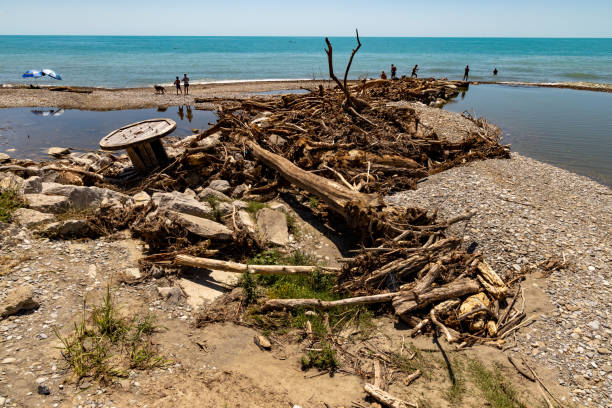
528,212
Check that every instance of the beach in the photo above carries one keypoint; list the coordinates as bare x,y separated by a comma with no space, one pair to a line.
527,212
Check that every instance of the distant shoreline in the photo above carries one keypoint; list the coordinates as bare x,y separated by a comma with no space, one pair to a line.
94,98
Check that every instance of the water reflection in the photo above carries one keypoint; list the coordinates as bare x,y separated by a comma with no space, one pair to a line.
47,112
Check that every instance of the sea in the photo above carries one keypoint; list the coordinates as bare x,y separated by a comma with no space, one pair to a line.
130,61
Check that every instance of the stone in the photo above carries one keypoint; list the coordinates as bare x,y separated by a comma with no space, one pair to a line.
594,325
58,151
189,192
181,203
12,182
277,140
209,192
4,157
603,350
32,185
272,225
31,218
69,177
54,204
220,185
43,389
262,342
82,197
18,300
275,205
171,295
9,360
240,205
240,190
141,199
130,275
245,221
68,228
202,227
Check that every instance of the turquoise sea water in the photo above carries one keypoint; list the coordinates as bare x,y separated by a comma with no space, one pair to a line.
140,61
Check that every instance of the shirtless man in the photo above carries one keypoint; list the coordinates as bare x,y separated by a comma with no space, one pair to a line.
186,84
177,82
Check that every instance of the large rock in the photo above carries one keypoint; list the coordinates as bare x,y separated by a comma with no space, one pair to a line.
202,227
58,151
209,192
67,229
20,299
31,218
181,203
48,203
272,226
32,185
82,197
220,185
245,222
12,182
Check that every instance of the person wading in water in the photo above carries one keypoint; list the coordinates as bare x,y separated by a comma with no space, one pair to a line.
495,71
466,73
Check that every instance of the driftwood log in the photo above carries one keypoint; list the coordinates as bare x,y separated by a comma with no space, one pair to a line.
385,398
229,266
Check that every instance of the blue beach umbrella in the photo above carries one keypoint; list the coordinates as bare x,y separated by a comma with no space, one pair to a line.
51,73
32,73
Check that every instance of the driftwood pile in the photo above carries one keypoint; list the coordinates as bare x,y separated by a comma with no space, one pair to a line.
348,146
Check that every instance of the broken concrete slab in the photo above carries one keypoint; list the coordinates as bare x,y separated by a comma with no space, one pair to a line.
20,299
202,227
181,203
272,225
54,204
31,218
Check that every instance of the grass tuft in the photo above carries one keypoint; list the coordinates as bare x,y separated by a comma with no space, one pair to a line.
10,201
254,206
104,345
323,358
494,387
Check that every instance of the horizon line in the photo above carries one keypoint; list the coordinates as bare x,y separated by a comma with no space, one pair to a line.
303,36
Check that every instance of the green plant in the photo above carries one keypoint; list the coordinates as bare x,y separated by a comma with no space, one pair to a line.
214,203
9,202
103,345
313,202
249,287
494,387
323,358
291,223
254,206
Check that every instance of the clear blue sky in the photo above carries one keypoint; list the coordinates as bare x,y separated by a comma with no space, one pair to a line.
462,18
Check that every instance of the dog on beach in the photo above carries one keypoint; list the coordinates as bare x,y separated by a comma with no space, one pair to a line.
159,89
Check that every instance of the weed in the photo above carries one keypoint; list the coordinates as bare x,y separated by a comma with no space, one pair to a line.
313,202
214,203
9,202
249,287
267,257
103,345
323,358
292,224
254,206
496,390
411,360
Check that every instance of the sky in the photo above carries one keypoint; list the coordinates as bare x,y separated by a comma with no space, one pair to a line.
407,18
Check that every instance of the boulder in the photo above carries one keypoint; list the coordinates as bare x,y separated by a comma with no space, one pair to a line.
209,192
67,229
20,299
181,203
202,227
12,182
272,225
32,185
31,218
245,222
240,190
54,204
58,151
4,157
84,197
240,205
220,185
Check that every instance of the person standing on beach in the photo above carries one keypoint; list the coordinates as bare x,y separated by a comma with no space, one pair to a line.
393,72
414,71
495,72
177,82
186,84
466,73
